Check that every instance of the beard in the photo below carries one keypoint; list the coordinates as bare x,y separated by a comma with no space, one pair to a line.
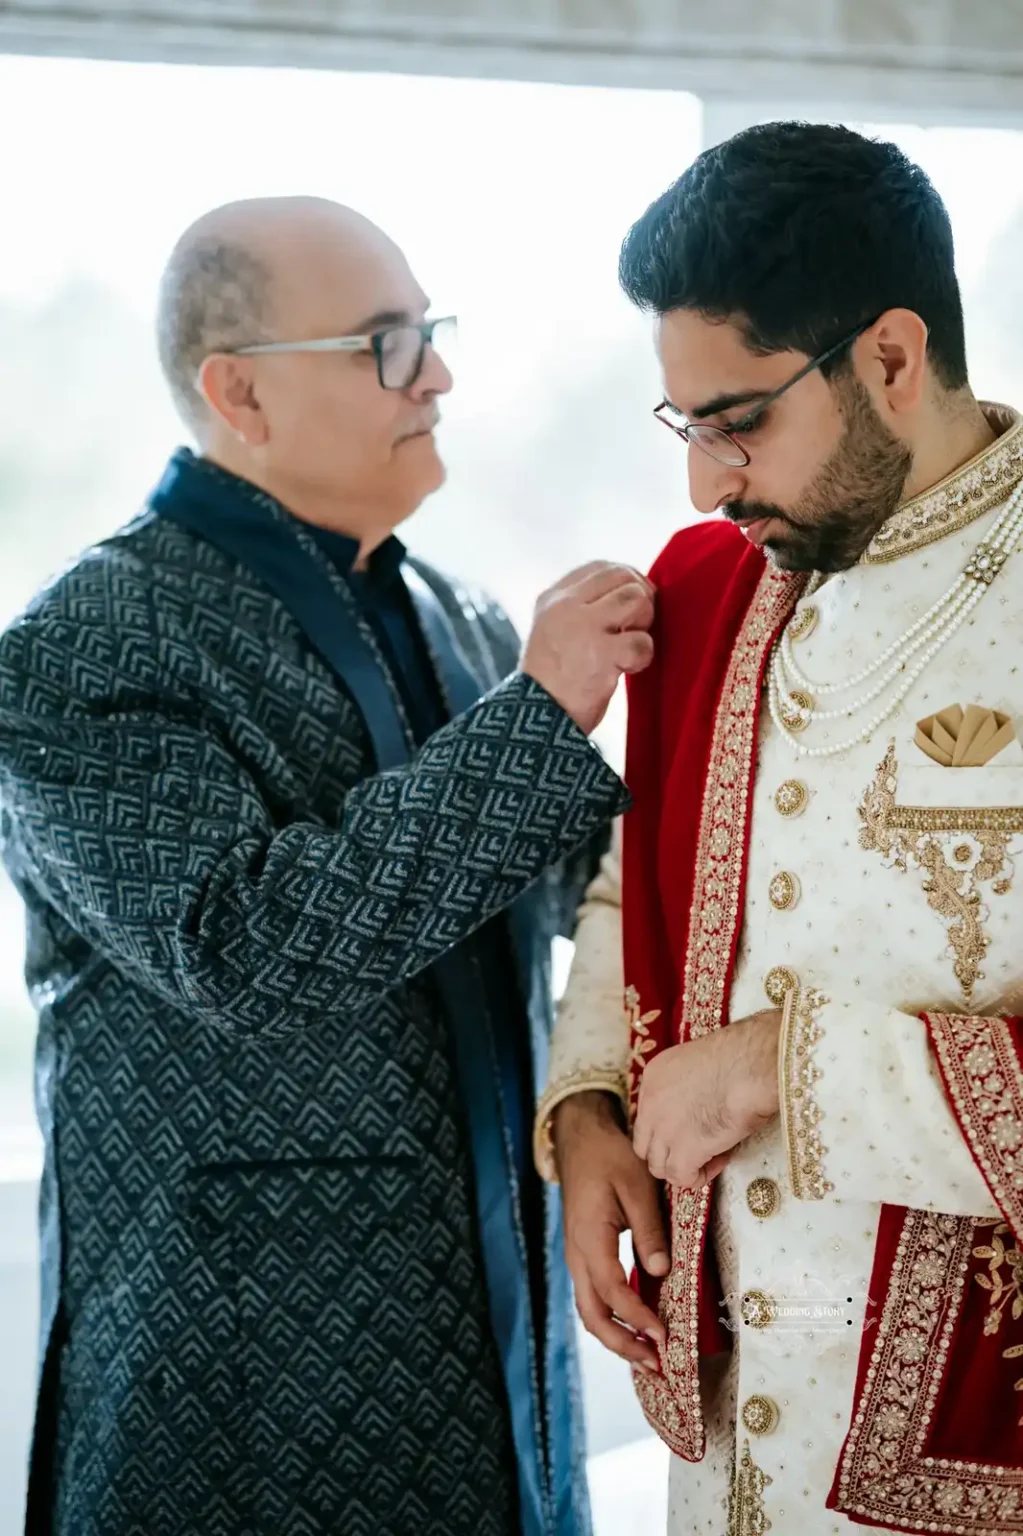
853,495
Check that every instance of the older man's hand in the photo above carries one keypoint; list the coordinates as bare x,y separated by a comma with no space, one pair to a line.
698,1101
589,630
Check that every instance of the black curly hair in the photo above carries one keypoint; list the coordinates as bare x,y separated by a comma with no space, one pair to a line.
802,231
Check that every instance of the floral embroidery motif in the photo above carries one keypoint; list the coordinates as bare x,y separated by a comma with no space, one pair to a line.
969,492
984,1080
641,1043
671,1401
1003,1288
910,836
801,1032
885,1476
747,1515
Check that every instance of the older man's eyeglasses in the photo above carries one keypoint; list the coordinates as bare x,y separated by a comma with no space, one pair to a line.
400,350
720,442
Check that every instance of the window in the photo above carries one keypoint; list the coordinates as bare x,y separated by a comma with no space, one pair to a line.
511,202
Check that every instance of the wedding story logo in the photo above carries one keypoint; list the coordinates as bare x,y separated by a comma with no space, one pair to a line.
811,1312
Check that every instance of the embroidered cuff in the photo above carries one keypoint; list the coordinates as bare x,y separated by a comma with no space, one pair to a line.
589,1080
800,1113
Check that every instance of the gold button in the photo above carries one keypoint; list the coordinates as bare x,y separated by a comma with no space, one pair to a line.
757,1309
804,623
778,983
760,1415
763,1198
791,798
794,709
783,891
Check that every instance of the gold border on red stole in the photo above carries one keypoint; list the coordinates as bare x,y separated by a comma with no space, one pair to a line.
975,1055
885,1476
671,1402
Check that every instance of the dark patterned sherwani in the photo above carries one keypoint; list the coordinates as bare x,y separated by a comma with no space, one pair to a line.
265,1302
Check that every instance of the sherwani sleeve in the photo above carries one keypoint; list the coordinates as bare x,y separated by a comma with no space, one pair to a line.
867,1110
155,838
590,1045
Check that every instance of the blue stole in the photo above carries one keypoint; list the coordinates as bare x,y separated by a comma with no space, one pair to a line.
256,531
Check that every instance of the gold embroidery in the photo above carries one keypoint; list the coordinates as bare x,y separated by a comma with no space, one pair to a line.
757,1310
885,1476
760,1415
641,1044
804,623
908,835
587,1080
778,983
747,1516
984,1080
800,1114
783,891
1003,1290
791,798
763,1197
795,709
671,1401
970,491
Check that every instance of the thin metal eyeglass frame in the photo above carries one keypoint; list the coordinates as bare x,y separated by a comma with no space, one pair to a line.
745,422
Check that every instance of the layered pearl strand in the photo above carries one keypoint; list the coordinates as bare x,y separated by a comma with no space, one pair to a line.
906,658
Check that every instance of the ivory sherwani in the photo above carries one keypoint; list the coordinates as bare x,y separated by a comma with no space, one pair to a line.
879,886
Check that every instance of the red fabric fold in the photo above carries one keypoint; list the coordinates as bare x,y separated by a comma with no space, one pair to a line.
705,579
936,1440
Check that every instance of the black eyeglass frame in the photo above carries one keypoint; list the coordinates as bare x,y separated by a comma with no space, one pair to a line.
685,428
375,343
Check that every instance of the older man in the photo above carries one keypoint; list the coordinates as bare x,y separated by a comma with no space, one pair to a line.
293,835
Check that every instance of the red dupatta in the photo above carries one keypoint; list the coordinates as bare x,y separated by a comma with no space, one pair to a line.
690,766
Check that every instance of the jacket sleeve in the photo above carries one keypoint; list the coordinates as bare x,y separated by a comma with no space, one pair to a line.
590,1045
867,1112
152,839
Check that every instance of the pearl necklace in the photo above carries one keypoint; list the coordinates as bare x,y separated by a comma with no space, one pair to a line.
922,640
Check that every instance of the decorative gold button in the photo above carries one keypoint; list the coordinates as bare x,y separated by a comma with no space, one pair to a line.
763,1198
791,798
783,891
778,983
760,1415
757,1309
795,707
804,623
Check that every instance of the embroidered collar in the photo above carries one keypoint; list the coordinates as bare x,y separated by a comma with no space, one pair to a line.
964,495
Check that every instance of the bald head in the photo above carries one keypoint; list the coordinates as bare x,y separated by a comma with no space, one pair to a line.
259,270
317,428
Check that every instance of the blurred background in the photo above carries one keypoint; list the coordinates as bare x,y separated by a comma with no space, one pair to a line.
507,154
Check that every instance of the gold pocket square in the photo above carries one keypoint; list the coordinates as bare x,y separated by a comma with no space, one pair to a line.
964,738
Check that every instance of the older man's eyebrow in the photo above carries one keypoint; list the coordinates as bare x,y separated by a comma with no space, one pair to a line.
382,319
386,317
728,403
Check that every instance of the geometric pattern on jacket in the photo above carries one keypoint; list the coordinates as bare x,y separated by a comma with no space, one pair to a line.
263,1301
